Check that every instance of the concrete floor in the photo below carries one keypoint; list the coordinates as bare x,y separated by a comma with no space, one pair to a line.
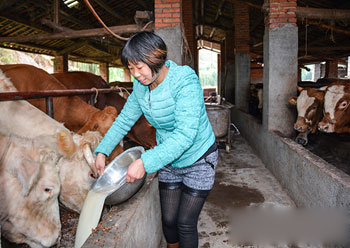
241,180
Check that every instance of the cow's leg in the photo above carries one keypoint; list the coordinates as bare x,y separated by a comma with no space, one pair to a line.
302,138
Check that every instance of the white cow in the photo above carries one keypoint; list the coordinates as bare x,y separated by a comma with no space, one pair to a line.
29,188
75,170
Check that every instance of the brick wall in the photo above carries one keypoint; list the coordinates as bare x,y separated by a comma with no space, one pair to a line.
187,18
242,36
229,48
167,13
280,13
256,73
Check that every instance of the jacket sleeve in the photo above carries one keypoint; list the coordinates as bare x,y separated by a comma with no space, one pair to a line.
130,113
188,105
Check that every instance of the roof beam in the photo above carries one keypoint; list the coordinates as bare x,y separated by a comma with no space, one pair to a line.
324,14
108,9
72,48
65,29
77,34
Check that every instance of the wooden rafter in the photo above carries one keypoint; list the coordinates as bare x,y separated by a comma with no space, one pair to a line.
323,14
76,34
108,9
72,48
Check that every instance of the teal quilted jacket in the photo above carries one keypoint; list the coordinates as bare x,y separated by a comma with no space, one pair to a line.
176,109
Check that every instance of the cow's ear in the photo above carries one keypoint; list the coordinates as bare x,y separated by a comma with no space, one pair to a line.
320,95
299,88
110,110
27,172
293,100
65,143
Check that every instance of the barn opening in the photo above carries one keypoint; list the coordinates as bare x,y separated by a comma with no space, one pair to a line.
208,55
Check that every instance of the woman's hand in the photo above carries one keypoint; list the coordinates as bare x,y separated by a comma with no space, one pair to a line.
100,163
136,171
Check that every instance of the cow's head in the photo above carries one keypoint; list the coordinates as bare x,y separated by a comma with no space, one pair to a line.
100,121
309,106
29,188
77,168
336,109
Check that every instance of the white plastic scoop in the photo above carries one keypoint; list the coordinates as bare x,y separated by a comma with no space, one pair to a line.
113,178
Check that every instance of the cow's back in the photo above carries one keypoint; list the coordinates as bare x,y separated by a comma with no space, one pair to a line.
142,132
72,111
87,80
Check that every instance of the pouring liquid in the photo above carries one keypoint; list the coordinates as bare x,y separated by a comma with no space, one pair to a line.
91,212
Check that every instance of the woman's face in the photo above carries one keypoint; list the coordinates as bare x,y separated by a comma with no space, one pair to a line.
141,72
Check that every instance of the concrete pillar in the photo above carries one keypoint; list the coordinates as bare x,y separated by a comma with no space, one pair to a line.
317,72
230,67
60,64
332,69
221,89
187,18
280,65
348,73
242,57
219,74
104,71
168,20
127,76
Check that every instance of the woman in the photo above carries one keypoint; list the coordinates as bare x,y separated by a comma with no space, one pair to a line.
171,98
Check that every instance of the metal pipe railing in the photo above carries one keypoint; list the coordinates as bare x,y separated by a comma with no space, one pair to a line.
49,94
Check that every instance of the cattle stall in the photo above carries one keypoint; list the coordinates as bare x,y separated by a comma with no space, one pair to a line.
264,48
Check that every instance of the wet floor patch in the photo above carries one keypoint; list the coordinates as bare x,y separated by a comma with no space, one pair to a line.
226,196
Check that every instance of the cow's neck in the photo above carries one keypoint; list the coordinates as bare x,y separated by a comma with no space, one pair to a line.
5,147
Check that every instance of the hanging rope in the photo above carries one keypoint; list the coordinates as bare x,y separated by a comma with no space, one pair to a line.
96,94
105,26
121,89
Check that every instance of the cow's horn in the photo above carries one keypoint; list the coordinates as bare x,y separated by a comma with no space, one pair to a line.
89,158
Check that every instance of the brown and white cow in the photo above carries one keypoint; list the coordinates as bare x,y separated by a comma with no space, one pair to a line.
71,111
29,188
336,117
309,106
142,132
76,164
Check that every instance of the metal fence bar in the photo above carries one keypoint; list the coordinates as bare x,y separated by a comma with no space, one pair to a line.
17,95
49,106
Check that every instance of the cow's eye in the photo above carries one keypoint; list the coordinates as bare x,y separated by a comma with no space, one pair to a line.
343,104
91,174
48,189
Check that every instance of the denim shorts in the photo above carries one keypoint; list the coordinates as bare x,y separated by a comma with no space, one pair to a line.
199,176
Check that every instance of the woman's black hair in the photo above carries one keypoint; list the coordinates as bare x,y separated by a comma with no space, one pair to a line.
146,47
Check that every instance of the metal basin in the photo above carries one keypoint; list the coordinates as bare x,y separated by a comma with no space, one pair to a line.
219,117
113,180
